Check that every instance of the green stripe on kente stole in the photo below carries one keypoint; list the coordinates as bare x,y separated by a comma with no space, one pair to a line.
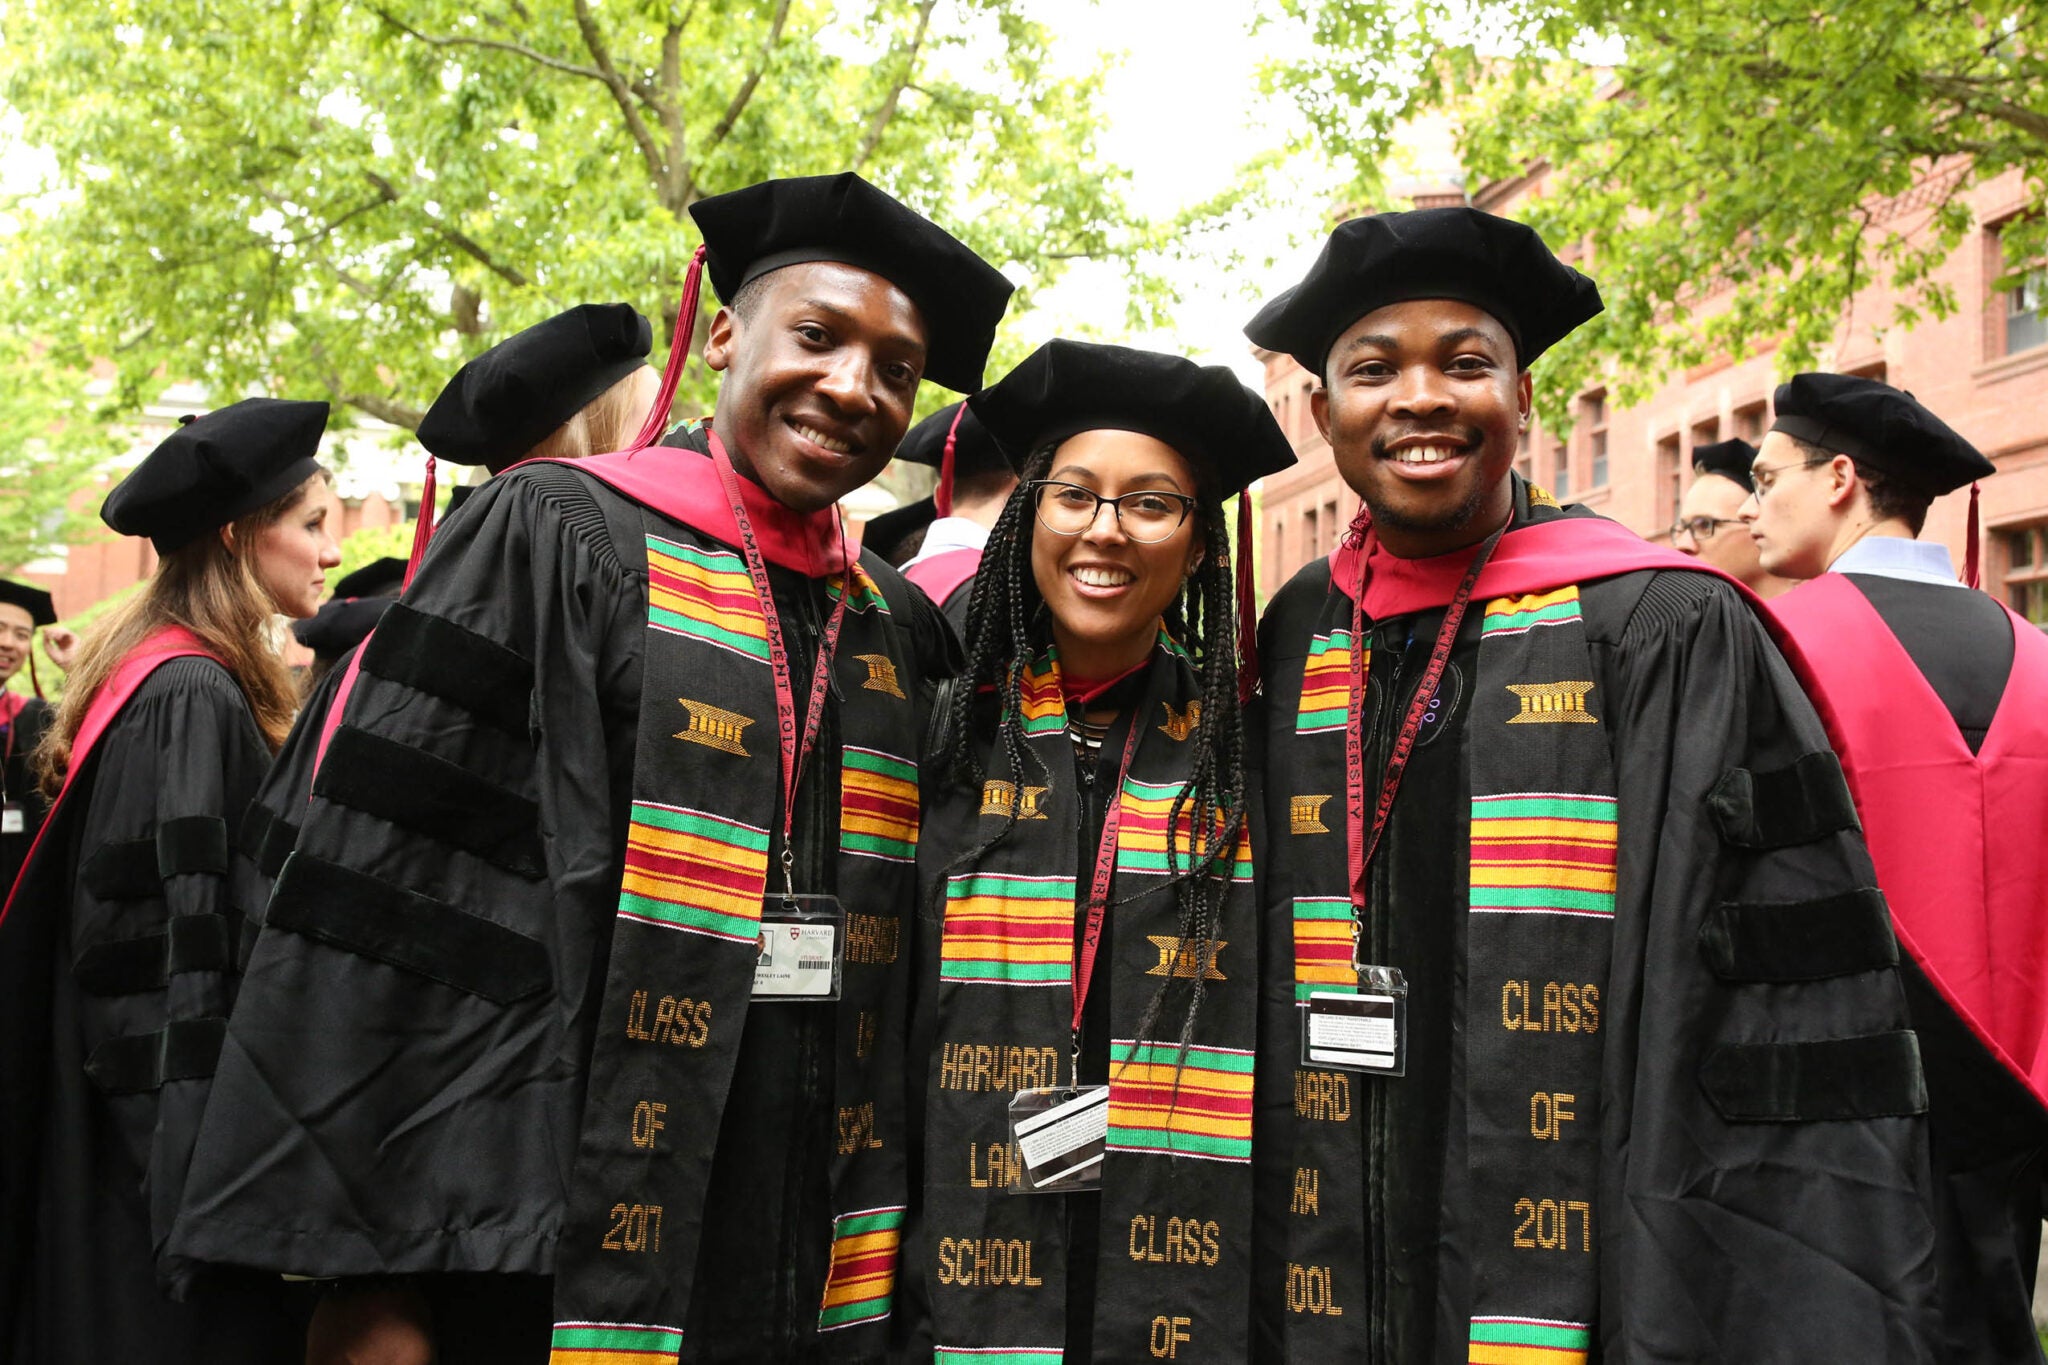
1555,614
877,844
998,1355
880,1221
1169,1054
991,969
1017,888
869,762
689,916
1542,808
1539,897
591,1336
706,827
1161,1140
665,619
1555,1336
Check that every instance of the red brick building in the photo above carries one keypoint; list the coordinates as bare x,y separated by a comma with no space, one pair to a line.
1984,370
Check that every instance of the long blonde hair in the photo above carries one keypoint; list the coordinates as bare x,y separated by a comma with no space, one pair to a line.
210,588
603,424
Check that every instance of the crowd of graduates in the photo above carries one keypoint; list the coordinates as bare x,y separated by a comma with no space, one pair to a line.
664,926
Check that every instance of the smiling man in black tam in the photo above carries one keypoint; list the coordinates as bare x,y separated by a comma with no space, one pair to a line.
576,1024
24,610
1553,838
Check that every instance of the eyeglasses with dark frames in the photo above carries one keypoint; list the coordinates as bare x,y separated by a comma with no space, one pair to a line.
1146,516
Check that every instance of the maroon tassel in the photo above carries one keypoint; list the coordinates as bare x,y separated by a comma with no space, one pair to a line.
678,355
423,528
1973,556
942,496
33,680
1247,604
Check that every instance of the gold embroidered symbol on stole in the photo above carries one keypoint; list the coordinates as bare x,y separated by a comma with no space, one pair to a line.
1180,725
997,796
1305,815
1178,958
1558,703
714,727
881,674
1539,496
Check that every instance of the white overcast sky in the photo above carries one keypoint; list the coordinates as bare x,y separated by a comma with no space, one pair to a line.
1183,112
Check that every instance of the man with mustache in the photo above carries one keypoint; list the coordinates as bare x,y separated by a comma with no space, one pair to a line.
575,1025
1709,523
1601,1049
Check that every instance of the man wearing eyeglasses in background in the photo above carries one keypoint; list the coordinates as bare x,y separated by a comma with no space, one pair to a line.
1709,525
1933,695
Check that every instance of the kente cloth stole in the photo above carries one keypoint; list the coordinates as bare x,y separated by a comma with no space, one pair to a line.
706,796
1538,941
1175,1224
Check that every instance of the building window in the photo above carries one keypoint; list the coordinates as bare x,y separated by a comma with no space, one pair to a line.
1749,423
1561,466
1332,527
1593,411
1670,479
1706,433
1524,462
1276,552
1311,537
2025,325
2024,551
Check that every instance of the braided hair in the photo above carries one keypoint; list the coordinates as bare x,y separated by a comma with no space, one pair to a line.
1006,630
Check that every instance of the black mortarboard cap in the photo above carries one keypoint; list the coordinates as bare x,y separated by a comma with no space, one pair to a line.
509,399
378,578
41,610
1730,459
340,625
1205,412
1493,263
216,468
1878,426
843,218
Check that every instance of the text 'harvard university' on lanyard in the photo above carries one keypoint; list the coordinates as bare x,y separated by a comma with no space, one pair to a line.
1361,845
795,746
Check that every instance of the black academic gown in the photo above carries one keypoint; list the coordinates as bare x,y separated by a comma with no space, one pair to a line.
1988,1135
18,740
548,565
1693,687
132,952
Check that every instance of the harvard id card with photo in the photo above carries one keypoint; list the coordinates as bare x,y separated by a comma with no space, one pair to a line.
802,941
1059,1133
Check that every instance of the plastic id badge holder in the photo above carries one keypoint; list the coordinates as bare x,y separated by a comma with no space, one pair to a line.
1058,1135
1364,1030
802,949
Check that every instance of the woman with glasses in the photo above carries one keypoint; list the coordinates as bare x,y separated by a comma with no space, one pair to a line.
1710,525
1087,985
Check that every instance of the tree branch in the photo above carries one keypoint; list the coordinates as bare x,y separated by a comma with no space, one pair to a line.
622,93
738,104
387,410
553,63
878,124
458,239
1968,93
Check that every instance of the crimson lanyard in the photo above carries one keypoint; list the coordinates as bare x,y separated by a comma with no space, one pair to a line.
795,748
1098,895
1361,848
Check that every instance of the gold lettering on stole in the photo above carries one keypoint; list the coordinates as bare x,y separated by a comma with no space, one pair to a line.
1324,1096
1175,1241
1169,1335
1308,1190
1548,1113
871,939
987,1262
1546,1224
1309,1290
647,1122
857,1129
679,1021
1555,1007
